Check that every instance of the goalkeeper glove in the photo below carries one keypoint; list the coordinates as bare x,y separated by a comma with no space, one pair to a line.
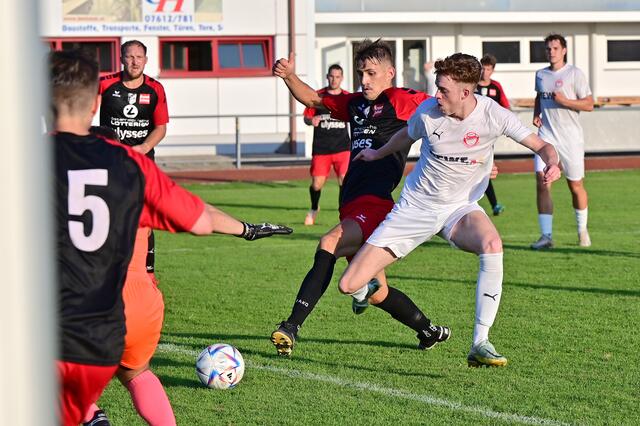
261,230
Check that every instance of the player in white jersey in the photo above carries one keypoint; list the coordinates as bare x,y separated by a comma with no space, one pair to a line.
562,92
458,131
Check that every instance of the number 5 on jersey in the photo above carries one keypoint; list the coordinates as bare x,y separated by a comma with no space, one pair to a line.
79,202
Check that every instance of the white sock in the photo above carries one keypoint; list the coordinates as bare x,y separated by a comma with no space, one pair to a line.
546,224
488,293
361,293
581,219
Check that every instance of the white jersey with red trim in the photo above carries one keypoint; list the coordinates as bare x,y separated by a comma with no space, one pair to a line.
456,155
560,125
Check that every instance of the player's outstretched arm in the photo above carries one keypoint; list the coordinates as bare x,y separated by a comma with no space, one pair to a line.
399,141
548,153
583,104
304,94
213,220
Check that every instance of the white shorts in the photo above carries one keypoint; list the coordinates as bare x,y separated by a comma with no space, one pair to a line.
407,226
571,160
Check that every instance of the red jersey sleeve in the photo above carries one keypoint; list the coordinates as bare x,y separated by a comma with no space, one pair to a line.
503,98
161,113
309,112
107,81
167,206
338,105
405,101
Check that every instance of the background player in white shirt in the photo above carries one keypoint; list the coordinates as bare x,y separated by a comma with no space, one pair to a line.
562,92
440,196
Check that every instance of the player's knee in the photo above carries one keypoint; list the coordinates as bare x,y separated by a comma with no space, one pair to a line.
329,242
345,284
493,244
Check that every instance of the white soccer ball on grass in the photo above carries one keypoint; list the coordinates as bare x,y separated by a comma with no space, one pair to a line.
220,366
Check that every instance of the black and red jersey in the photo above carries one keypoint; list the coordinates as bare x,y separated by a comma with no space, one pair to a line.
104,191
132,113
330,136
372,125
494,91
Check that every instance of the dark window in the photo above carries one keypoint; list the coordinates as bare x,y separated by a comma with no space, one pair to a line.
106,51
186,55
506,52
413,57
623,50
216,57
537,52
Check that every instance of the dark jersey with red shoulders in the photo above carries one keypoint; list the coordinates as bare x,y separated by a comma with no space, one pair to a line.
494,91
132,113
104,191
330,136
372,125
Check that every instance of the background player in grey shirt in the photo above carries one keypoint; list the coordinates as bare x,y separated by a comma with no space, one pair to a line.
562,92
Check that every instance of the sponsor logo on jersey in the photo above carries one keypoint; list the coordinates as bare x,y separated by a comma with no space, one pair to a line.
377,110
559,83
362,218
116,94
483,91
451,159
330,124
471,139
145,98
546,95
364,109
492,92
131,97
131,134
435,133
130,111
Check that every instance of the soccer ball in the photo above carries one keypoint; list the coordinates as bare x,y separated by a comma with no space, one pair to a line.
220,366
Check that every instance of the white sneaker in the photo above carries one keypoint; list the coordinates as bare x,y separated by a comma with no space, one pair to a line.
583,239
545,242
484,354
310,219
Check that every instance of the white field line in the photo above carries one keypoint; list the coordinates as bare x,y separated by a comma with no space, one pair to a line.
396,393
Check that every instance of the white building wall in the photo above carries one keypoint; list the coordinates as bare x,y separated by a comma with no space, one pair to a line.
443,39
223,96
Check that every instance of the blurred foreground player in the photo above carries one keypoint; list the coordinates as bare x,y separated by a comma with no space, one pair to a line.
104,190
374,115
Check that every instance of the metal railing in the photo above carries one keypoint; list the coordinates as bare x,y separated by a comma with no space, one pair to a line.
237,117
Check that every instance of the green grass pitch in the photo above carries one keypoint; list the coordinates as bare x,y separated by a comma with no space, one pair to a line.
569,320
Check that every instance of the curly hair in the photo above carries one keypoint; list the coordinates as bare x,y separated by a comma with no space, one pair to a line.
460,67
376,51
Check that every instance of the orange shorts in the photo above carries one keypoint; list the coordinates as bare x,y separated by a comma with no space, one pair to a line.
143,308
144,312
